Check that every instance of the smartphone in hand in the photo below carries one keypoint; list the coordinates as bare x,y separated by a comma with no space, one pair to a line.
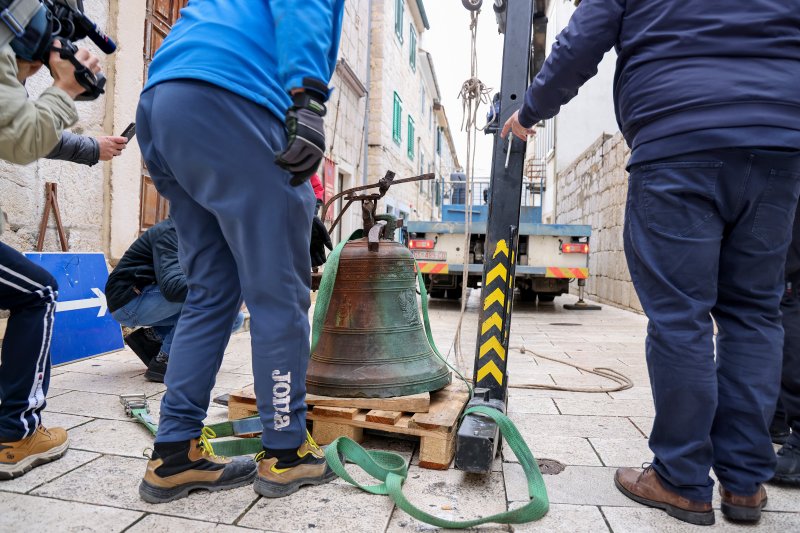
129,132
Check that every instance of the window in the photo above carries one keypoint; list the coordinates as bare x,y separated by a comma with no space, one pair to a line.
439,141
430,118
422,98
397,116
410,138
398,19
412,47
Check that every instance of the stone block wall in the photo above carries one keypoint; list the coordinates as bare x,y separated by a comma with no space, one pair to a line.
81,189
593,190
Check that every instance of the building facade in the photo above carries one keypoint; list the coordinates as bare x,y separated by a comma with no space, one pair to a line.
408,129
105,207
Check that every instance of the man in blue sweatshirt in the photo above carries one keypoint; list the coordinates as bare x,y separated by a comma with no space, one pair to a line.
230,124
706,95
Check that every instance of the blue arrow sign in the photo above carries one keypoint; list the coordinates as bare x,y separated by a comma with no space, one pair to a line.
83,326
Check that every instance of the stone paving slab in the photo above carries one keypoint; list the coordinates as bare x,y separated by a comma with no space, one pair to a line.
87,404
643,423
169,524
52,392
622,452
644,520
32,515
577,485
62,420
566,450
113,481
45,473
567,519
112,437
331,507
451,495
78,381
532,426
130,368
602,405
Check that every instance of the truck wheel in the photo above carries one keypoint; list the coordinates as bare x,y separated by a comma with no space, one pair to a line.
453,294
527,295
472,5
436,293
546,298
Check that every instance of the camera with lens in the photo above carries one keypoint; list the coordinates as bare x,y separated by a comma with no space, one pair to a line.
32,26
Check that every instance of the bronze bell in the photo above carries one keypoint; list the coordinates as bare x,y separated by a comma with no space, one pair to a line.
373,342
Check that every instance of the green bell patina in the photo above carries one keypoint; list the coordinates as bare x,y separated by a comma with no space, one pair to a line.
373,343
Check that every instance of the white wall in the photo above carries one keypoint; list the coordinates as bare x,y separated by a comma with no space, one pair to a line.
591,112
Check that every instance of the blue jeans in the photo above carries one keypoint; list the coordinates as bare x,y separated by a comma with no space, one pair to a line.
151,309
706,236
243,231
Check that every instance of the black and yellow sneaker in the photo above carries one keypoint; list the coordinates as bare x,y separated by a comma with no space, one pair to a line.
283,472
177,468
42,447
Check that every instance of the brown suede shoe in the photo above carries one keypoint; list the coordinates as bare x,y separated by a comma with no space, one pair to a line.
646,488
42,447
743,508
276,480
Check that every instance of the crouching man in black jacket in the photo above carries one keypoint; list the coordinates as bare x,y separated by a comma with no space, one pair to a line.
148,288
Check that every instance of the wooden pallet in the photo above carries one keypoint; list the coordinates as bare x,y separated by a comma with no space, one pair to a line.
435,428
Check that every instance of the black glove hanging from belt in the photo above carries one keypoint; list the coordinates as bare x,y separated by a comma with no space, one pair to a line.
306,132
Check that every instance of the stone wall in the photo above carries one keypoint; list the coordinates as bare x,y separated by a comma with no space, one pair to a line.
592,190
81,189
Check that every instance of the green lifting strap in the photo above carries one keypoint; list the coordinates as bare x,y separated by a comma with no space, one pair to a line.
144,417
392,470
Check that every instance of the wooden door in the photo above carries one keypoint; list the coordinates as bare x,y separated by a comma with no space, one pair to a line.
161,15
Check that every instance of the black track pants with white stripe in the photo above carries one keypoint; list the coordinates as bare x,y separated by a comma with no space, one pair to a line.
29,292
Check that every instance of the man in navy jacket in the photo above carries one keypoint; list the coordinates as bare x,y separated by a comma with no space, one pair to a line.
706,95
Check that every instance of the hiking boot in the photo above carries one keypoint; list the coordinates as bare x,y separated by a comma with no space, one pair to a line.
44,446
177,468
145,343
779,431
281,473
157,368
788,468
743,508
646,488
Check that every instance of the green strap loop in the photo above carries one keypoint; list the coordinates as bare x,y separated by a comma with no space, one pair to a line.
392,470
145,419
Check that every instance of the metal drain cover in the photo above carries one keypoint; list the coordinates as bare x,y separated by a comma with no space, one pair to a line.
550,467
564,324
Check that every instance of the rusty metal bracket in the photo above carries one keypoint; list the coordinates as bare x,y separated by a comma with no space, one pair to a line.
369,201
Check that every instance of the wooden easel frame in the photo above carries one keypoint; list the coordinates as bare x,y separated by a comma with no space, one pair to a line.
51,202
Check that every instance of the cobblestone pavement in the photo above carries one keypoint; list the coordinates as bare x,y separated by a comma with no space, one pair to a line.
94,487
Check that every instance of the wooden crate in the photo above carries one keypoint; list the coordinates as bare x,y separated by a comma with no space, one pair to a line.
435,428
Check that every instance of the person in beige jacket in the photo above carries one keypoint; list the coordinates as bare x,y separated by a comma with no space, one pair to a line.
30,129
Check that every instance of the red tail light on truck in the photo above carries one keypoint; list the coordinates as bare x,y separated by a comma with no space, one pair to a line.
575,248
420,244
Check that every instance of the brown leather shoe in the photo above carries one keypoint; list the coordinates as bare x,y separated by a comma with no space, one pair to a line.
743,508
646,488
